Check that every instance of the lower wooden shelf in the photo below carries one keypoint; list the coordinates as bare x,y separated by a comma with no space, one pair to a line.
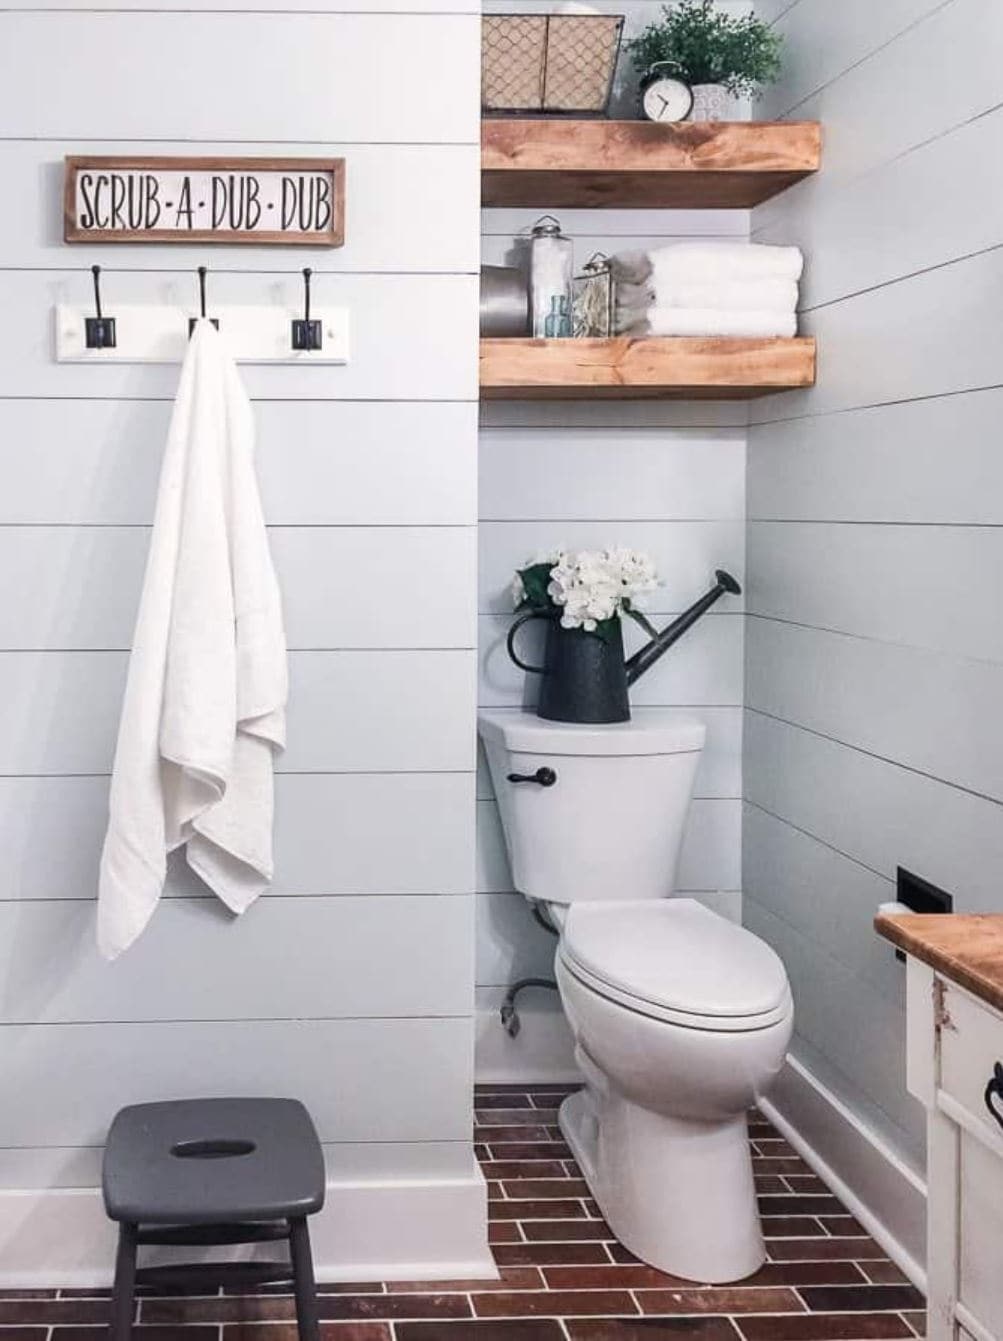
652,367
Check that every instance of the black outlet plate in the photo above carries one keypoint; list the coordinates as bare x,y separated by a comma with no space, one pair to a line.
920,895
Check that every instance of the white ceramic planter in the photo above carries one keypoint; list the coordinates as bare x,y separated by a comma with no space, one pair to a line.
711,102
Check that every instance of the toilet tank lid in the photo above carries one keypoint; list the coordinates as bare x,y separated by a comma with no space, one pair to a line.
676,954
650,731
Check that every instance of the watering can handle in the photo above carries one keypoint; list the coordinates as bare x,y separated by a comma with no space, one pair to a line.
510,640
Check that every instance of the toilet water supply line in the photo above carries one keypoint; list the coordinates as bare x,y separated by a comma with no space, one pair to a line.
509,1015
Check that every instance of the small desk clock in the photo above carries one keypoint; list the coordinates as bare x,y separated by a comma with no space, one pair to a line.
664,96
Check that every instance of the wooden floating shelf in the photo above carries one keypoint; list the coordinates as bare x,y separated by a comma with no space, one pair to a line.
680,368
640,165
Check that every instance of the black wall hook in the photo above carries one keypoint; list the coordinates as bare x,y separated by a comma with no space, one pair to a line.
99,330
307,334
202,272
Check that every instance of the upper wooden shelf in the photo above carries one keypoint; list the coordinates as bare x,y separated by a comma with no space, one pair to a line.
640,165
668,367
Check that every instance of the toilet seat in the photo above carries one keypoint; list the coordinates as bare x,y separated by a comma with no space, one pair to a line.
674,960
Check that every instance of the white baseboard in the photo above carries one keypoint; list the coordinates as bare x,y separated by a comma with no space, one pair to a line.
868,1176
414,1230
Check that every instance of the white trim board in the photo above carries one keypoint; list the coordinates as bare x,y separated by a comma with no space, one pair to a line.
871,1180
368,1230
152,333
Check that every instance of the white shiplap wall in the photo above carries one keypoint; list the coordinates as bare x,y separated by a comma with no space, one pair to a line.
666,478
875,559
351,984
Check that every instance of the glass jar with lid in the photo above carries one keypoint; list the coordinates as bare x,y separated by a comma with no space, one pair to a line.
551,270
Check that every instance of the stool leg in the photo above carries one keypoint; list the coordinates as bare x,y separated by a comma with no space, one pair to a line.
123,1298
303,1281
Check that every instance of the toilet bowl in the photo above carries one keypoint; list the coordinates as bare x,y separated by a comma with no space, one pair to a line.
681,1021
680,1018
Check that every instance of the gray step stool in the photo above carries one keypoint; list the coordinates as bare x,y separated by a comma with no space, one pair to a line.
213,1171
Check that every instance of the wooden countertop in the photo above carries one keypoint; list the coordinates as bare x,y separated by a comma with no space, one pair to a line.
965,947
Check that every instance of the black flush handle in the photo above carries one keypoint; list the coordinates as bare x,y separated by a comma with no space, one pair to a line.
994,1091
543,777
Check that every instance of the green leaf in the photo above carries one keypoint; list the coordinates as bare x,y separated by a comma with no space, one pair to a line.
535,580
605,628
641,619
710,46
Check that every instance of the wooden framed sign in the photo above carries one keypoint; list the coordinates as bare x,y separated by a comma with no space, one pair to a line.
265,201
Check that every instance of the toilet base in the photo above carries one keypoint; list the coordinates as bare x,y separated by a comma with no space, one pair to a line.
678,1194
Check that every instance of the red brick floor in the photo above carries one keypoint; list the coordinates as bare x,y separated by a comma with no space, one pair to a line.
564,1277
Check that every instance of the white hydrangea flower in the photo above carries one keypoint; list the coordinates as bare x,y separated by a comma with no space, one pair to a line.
592,586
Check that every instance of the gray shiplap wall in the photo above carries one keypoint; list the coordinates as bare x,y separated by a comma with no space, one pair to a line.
368,475
875,558
667,478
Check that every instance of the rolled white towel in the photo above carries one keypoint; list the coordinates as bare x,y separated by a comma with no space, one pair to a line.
713,261
630,267
635,295
733,295
633,323
712,321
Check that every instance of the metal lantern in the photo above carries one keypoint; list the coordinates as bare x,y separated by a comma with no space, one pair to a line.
592,299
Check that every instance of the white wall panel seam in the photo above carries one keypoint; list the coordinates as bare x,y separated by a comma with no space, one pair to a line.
295,773
230,1019
834,189
270,526
208,897
873,405
874,51
263,271
255,400
650,519
896,522
822,842
850,633
341,651
871,754
259,400
255,140
791,4
901,279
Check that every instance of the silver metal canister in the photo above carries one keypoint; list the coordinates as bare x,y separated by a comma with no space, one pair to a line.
504,301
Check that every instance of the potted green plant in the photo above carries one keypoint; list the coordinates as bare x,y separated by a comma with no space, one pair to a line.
716,53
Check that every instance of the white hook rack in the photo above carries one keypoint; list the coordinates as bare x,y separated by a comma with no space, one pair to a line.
147,333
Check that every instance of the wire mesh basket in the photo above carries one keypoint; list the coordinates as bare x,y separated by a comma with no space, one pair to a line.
557,64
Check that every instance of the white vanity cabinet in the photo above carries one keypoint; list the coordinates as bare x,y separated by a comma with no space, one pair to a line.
955,1040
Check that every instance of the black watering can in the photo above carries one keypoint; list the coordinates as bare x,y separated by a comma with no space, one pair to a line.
586,677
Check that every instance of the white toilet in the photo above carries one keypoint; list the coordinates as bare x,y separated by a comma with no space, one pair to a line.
681,1019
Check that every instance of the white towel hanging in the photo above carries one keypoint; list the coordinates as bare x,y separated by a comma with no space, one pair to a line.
204,708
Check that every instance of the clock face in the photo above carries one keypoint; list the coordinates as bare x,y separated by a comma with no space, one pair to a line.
667,100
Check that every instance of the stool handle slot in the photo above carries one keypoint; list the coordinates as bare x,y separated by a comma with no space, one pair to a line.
219,1148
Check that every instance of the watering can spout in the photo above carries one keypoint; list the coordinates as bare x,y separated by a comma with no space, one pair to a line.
646,657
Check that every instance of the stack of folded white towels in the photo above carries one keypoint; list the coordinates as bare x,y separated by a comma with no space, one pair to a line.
708,288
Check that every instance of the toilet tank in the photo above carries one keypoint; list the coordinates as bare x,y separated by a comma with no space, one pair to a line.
610,824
